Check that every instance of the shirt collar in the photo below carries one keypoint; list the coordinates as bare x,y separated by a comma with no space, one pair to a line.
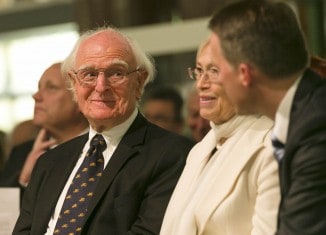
115,134
81,133
282,116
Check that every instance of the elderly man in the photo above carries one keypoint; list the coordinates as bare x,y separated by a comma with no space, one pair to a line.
263,63
121,184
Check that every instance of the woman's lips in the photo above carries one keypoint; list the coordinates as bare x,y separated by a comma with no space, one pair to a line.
206,99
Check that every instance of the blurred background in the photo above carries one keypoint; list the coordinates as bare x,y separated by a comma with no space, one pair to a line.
36,33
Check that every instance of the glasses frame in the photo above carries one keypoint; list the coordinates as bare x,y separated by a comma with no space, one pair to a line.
102,70
212,74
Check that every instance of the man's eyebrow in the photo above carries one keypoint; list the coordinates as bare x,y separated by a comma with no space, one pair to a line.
114,62
119,62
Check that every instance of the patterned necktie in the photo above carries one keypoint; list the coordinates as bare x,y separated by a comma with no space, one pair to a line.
278,148
80,192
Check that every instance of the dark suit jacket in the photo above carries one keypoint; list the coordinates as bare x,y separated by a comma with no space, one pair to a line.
303,167
14,164
132,194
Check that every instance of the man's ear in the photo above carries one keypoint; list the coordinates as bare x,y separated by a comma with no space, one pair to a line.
71,77
141,81
245,74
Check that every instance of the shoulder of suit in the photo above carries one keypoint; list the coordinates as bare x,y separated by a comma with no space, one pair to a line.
73,143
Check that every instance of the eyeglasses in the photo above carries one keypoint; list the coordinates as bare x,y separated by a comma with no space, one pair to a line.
197,73
88,76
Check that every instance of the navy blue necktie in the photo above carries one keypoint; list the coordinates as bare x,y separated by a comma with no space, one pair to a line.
80,192
278,148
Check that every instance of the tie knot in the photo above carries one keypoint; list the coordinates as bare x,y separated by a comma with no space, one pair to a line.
98,142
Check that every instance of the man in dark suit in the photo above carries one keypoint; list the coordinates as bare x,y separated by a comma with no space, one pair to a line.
142,162
264,69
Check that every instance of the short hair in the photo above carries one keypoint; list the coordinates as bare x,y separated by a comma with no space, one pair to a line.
165,93
143,60
262,33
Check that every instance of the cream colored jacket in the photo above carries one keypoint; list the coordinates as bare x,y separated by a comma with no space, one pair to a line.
233,192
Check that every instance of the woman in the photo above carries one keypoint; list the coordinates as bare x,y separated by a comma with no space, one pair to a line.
230,183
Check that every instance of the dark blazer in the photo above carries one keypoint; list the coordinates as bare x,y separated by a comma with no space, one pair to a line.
132,194
14,164
303,167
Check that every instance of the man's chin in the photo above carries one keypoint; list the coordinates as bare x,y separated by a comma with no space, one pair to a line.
38,122
103,116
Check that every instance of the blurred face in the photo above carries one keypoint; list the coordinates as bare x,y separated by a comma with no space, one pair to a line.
198,125
54,106
214,105
231,79
106,104
161,113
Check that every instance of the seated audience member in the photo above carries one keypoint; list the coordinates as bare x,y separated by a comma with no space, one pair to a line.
262,44
59,118
118,178
197,125
230,182
162,105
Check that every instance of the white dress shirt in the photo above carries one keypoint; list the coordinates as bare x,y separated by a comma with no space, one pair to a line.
282,116
112,138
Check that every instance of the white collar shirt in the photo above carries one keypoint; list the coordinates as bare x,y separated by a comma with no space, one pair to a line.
112,138
282,116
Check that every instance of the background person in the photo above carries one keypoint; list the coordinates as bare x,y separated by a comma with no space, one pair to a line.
264,48
141,161
229,185
59,118
22,132
162,105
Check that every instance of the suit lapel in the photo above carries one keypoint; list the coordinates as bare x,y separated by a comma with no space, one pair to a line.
188,183
298,117
60,170
199,157
196,163
307,85
231,165
63,161
125,150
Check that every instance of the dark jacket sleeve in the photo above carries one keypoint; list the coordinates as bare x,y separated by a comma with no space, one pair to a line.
159,190
14,164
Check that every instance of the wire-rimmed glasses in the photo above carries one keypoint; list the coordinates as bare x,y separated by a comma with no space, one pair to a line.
197,73
88,76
